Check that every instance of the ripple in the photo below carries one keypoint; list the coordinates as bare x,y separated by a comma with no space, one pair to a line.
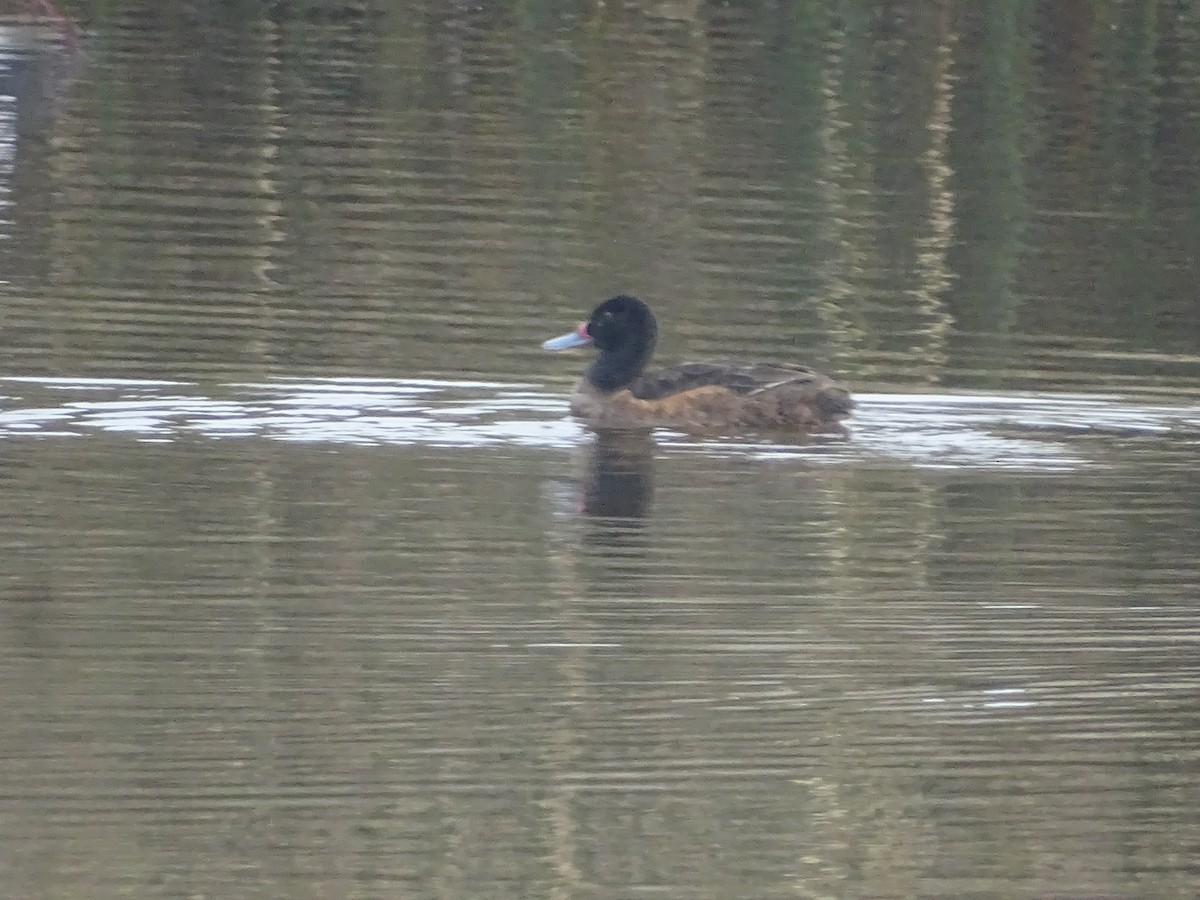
1023,432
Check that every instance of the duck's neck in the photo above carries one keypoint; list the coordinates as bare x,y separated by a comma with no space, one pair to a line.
617,367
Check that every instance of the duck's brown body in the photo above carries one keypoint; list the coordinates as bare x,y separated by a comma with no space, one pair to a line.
712,397
616,392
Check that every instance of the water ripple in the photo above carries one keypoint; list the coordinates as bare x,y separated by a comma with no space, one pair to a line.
1034,432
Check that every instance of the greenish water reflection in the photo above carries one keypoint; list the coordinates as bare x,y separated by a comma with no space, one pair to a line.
324,597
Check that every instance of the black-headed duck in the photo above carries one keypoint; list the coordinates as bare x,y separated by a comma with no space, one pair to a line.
617,392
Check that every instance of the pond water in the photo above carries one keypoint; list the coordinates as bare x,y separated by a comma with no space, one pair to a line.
313,589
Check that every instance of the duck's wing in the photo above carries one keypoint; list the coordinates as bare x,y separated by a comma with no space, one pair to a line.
748,380
741,378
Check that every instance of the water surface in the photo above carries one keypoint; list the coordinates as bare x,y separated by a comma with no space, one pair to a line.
312,588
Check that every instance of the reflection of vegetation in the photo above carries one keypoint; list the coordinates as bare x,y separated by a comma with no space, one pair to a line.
987,154
790,663
364,656
1130,113
859,177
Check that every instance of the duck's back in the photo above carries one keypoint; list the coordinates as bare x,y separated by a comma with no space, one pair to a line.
723,395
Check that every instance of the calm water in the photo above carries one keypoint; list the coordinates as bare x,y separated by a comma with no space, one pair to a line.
311,588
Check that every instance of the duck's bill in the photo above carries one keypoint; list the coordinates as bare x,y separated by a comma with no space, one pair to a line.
577,338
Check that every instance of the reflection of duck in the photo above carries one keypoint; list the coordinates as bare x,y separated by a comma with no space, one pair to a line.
620,475
711,396
617,494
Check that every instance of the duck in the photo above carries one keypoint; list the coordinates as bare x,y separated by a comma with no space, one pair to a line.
616,391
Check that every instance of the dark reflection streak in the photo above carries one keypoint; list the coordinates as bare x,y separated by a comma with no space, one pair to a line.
35,74
992,208
618,489
43,72
619,483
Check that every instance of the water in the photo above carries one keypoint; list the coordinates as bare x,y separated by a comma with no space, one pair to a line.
312,588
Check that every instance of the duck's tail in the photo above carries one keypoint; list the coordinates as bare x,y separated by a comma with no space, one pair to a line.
835,401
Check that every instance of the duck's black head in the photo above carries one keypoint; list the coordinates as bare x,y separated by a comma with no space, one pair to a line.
623,329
